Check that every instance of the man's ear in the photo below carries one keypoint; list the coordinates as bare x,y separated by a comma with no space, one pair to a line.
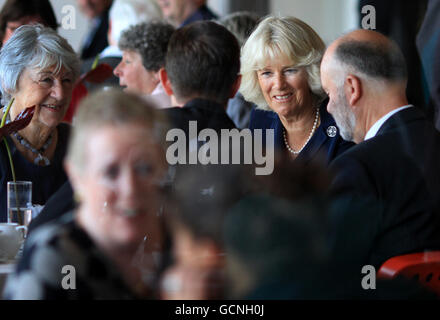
166,84
353,89
235,86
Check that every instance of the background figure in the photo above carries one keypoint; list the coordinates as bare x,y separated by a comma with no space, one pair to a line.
123,14
280,74
16,13
144,48
392,18
116,163
428,45
96,40
182,12
276,249
241,24
37,68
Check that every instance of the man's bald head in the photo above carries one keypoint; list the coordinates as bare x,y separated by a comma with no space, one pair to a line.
369,53
364,74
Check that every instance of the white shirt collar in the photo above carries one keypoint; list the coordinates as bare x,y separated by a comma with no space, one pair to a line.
375,127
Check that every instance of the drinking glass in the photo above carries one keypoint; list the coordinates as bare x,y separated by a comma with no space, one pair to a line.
19,196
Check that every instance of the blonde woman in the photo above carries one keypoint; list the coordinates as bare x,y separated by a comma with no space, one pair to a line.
280,74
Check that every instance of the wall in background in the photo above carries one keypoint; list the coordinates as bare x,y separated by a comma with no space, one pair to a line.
329,18
75,37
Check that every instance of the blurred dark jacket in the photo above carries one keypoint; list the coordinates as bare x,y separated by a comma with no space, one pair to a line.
96,40
428,44
400,20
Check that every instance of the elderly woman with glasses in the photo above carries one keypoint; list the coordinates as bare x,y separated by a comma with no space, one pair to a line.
37,68
280,74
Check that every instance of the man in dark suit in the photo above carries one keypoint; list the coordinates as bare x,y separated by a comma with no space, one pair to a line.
387,186
96,41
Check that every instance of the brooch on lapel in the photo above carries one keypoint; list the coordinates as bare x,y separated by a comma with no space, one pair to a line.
332,131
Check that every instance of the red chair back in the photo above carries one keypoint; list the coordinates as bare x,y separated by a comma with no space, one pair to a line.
422,267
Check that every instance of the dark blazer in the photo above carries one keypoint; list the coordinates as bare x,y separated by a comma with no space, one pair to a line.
97,38
325,145
208,114
387,190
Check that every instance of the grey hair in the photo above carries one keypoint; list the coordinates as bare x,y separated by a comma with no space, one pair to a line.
111,108
375,60
241,24
34,46
150,41
275,37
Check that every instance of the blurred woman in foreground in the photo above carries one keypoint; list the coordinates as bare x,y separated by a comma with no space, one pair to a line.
116,165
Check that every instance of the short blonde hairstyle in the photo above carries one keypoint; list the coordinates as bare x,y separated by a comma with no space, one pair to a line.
273,38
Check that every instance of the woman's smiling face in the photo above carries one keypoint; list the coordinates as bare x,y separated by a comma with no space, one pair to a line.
284,86
50,92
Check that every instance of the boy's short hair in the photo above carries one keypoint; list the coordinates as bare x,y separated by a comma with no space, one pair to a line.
203,60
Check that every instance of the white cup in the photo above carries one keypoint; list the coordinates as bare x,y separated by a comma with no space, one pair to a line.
11,239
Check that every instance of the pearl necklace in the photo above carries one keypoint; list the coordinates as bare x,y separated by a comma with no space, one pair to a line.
39,152
308,139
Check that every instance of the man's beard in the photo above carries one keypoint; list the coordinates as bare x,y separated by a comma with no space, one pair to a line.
344,117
